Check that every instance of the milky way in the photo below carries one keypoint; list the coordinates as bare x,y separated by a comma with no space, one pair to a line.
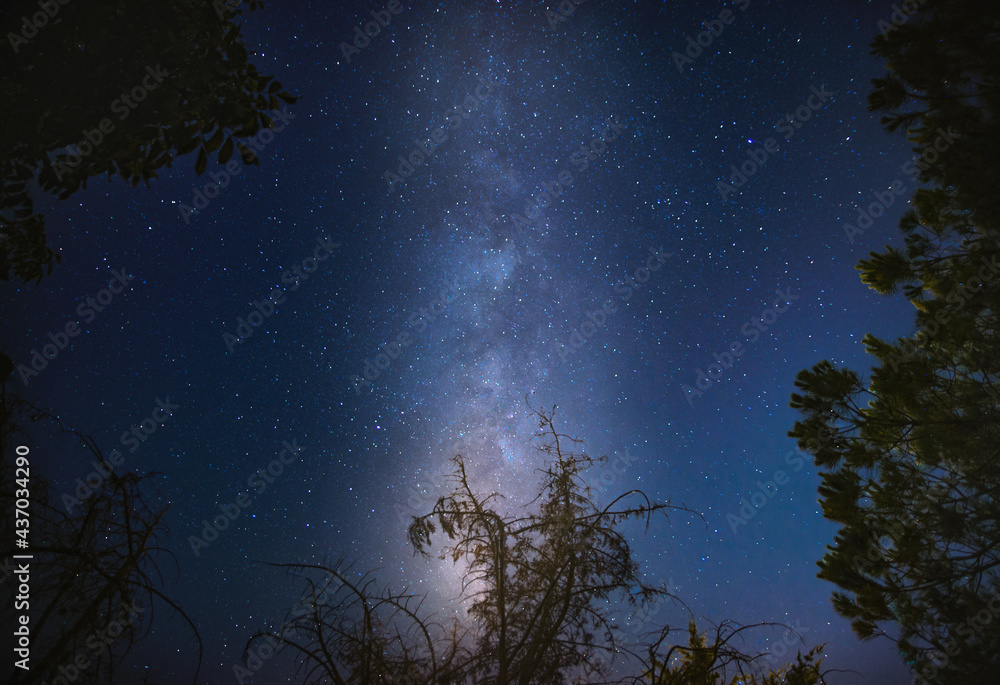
563,239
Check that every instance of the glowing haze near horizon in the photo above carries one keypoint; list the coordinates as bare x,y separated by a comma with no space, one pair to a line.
370,457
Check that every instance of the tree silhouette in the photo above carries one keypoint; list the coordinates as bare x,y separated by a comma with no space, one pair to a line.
544,579
347,632
703,663
540,586
94,575
119,87
943,77
911,471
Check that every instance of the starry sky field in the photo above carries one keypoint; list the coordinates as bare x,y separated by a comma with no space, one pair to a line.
480,206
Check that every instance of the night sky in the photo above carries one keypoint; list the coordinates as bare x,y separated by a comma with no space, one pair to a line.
459,291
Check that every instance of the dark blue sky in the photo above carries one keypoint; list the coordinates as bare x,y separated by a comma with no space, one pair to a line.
479,304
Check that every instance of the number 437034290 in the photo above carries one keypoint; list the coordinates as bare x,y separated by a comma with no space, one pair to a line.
21,511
